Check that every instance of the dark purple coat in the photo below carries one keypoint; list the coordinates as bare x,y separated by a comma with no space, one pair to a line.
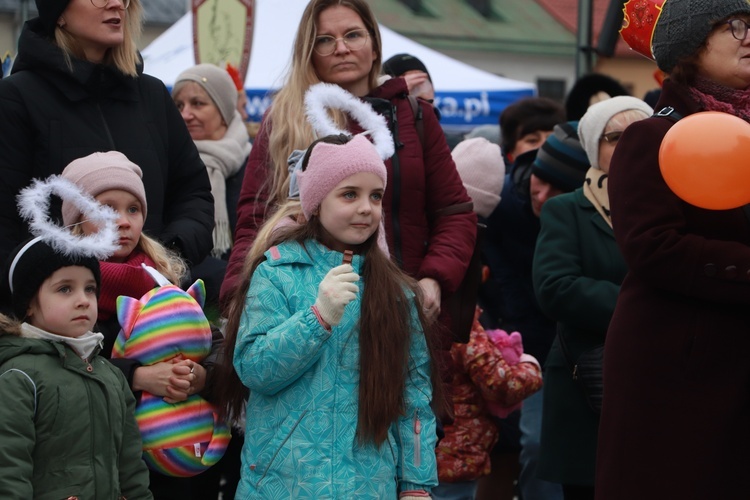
676,416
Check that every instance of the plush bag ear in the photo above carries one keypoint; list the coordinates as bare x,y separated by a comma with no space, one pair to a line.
198,292
128,310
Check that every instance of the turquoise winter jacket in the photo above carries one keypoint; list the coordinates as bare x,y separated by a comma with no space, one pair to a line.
302,413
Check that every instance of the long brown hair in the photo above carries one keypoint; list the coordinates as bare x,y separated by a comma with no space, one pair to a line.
290,129
384,339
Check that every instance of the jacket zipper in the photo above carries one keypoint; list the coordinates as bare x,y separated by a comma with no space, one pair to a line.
106,128
268,467
417,439
396,189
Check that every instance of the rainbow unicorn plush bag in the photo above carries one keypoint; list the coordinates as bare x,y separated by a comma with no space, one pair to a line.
185,438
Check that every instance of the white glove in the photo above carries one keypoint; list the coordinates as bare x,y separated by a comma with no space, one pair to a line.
337,289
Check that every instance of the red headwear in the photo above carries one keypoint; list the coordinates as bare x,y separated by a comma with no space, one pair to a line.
638,24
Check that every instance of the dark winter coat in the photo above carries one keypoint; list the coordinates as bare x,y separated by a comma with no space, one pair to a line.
50,116
427,180
67,427
507,296
676,376
577,274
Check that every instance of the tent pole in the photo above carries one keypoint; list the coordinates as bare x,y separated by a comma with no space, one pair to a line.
584,50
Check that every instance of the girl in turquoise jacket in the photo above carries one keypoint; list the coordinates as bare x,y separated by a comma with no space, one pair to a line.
331,344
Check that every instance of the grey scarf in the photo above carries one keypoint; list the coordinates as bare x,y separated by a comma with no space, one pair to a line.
223,159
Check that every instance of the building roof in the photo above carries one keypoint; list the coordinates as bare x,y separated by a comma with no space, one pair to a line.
516,26
566,13
160,12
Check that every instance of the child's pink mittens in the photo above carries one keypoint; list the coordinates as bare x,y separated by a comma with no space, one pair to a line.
511,346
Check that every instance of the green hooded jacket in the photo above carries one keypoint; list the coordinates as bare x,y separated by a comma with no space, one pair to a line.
67,426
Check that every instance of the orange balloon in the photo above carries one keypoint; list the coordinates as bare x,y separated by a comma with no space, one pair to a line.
705,159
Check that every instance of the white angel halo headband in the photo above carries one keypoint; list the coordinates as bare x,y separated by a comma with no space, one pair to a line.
34,205
318,99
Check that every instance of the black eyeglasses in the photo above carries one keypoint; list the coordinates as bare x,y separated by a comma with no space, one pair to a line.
612,137
739,28
325,45
103,3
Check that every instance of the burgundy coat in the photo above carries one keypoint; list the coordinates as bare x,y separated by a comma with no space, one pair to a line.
428,181
676,416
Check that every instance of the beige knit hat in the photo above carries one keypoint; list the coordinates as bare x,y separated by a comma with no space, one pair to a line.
99,172
480,164
218,85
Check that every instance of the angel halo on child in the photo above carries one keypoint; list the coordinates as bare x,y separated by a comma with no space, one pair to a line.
70,406
325,368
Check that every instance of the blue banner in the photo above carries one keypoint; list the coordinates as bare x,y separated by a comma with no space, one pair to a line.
459,110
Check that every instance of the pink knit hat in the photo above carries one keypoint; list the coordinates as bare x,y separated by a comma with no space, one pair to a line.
480,164
330,164
99,172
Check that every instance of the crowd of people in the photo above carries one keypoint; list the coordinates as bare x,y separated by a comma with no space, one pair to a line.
323,253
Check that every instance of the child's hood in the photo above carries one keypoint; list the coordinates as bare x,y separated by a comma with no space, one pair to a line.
13,345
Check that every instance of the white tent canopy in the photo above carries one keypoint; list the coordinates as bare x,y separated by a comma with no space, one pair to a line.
466,96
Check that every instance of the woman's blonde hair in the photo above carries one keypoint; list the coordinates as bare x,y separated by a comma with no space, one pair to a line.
289,127
167,262
124,57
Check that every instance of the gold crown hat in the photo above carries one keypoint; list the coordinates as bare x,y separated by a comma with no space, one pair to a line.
638,24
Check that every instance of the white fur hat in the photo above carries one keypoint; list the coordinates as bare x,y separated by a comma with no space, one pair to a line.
598,115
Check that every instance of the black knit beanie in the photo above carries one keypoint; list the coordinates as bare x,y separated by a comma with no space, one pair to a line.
49,12
683,26
32,262
401,63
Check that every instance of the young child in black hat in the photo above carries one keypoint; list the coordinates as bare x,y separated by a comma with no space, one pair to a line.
67,426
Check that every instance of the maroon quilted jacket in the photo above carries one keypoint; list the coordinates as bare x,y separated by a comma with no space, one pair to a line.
426,181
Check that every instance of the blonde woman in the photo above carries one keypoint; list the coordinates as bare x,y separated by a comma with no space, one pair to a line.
77,88
338,42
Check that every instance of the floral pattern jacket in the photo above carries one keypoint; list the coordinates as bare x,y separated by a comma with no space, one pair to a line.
481,374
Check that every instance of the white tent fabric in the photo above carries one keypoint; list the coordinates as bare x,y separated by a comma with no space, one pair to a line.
465,95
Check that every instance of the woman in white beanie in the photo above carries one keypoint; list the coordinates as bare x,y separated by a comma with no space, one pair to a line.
677,380
577,274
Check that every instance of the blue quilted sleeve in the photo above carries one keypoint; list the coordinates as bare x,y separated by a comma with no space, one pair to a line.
275,345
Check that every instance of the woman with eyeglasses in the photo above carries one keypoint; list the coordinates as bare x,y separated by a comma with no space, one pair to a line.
338,42
77,88
676,408
577,273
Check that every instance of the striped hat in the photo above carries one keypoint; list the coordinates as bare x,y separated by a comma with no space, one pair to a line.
561,160
185,438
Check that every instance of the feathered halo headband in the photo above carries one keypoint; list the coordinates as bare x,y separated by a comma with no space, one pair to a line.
323,96
34,206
